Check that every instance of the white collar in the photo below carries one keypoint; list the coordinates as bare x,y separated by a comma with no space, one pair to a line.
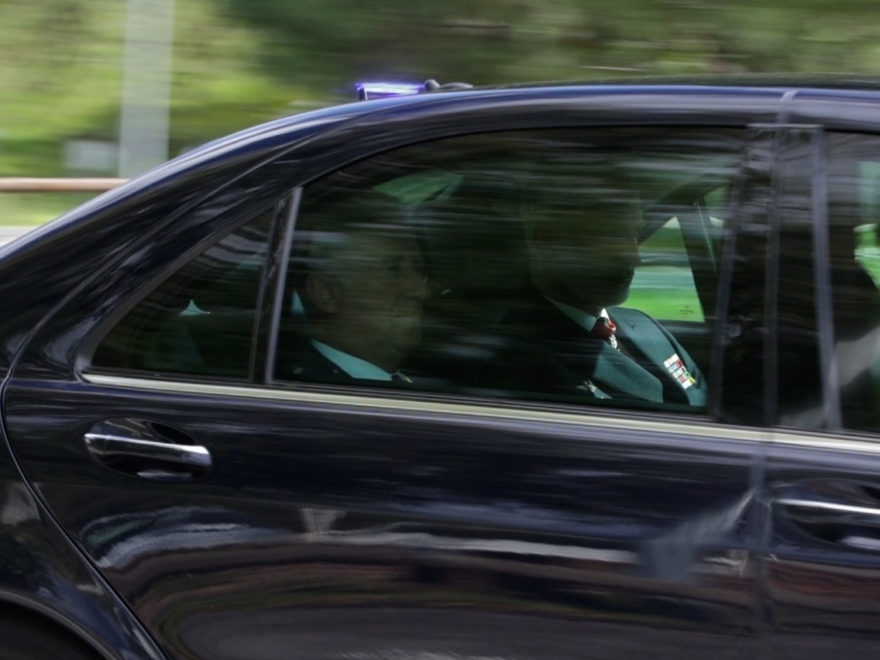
353,366
579,316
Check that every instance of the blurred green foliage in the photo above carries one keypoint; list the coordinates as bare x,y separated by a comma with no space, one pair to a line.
240,62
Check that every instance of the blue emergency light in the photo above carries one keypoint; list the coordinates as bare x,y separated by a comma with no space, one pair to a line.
368,91
383,90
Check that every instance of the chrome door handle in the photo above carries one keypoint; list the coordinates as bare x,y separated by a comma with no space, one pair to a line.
103,446
147,449
830,507
850,525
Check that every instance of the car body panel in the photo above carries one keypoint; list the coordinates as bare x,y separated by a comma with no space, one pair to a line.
429,524
45,575
416,524
821,570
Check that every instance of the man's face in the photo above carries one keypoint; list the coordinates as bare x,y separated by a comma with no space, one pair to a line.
377,283
589,258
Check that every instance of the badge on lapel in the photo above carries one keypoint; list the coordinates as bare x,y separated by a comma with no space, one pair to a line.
677,370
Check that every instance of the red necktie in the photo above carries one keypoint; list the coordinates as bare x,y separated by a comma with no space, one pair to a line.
604,330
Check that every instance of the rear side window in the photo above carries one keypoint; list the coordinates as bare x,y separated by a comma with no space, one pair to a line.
483,265
200,321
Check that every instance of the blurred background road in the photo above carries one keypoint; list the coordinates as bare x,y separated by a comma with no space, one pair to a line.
112,87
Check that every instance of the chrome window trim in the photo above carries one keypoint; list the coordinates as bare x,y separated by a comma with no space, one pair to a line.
829,440
694,427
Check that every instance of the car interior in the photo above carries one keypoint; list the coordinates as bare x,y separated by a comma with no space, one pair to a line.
473,239
467,215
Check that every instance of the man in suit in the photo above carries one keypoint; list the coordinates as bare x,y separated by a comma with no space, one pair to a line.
583,251
361,284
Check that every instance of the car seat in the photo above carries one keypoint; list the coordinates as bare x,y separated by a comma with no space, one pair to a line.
475,248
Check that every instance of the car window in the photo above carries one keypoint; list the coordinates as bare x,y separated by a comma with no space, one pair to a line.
663,285
199,321
854,218
483,265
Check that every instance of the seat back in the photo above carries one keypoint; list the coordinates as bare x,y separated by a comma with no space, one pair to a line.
475,249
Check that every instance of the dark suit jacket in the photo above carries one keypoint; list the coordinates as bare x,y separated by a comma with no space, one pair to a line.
637,371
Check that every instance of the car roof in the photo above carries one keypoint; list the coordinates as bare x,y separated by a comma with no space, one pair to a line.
734,82
842,81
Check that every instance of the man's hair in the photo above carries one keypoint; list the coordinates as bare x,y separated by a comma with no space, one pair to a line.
577,200
326,229
563,202
473,237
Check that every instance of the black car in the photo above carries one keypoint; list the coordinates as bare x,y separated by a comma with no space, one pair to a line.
232,431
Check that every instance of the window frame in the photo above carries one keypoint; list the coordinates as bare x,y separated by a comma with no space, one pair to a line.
823,267
697,245
103,328
283,174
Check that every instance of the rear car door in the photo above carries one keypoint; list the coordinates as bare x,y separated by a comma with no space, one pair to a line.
245,511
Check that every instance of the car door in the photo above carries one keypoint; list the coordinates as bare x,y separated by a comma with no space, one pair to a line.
246,512
822,564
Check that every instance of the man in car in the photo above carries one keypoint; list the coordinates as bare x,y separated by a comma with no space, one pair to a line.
583,251
361,285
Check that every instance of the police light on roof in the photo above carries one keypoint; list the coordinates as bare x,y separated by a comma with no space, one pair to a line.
383,90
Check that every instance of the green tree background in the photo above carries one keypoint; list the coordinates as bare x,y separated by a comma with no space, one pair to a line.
239,62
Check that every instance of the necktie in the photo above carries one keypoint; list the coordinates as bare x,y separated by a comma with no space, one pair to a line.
604,330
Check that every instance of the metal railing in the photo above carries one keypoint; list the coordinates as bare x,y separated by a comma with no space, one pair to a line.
43,184
48,185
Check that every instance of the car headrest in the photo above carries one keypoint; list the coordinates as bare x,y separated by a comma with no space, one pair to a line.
474,240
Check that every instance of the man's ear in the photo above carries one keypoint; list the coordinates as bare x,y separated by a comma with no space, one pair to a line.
324,292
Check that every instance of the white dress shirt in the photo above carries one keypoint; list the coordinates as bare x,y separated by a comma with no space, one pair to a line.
353,366
579,316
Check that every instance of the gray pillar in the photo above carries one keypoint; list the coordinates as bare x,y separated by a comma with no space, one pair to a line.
146,85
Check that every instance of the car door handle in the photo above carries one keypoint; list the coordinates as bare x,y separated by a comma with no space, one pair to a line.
830,507
135,447
109,445
837,522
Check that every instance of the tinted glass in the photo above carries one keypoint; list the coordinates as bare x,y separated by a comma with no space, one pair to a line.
200,321
663,285
854,217
483,265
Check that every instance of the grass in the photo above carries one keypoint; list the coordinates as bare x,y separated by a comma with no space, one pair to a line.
667,303
31,209
673,306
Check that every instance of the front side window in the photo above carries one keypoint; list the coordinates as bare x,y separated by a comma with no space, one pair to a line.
556,265
854,218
